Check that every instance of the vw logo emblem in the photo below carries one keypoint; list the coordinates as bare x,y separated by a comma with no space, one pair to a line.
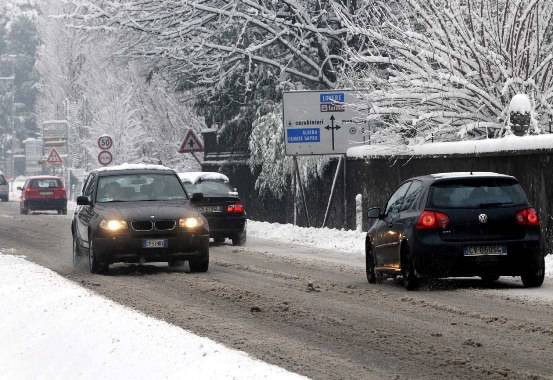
483,218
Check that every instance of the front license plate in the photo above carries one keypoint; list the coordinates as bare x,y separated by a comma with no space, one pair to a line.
155,243
210,209
486,250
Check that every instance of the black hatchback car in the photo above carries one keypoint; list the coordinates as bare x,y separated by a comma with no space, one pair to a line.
138,213
453,225
220,204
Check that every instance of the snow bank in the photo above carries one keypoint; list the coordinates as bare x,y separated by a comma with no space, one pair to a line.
348,242
352,242
505,144
51,328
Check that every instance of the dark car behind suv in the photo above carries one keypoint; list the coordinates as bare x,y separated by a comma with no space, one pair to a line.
138,213
456,224
220,204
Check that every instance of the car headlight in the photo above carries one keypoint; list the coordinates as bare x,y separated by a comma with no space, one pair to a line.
190,223
113,225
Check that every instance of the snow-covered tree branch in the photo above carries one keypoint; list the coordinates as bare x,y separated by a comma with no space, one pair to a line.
450,68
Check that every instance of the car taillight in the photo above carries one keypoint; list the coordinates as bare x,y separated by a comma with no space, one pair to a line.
432,220
527,217
237,208
59,194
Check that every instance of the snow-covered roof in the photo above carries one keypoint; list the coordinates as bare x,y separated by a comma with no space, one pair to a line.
194,177
133,167
504,144
467,174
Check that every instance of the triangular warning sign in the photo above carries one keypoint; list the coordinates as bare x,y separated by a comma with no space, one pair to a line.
191,143
54,158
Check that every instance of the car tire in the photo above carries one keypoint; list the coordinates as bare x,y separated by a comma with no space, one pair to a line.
94,264
370,266
77,256
534,276
239,238
410,279
64,211
200,264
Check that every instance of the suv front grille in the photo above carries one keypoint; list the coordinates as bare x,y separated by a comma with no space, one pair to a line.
165,225
143,225
148,225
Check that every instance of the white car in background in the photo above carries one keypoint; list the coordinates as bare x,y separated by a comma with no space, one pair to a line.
4,188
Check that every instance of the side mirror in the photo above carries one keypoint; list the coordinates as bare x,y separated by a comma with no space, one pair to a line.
197,197
373,213
83,200
19,188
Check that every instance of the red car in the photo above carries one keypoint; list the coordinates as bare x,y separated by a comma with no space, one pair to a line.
43,193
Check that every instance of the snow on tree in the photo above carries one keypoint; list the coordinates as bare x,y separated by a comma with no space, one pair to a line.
86,79
449,69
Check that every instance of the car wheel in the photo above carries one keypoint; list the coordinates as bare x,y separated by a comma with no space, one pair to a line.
94,264
64,211
533,278
489,278
59,211
410,280
239,238
23,211
369,266
200,264
76,254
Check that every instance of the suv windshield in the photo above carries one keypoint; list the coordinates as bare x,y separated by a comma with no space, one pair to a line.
210,188
139,187
477,193
2,180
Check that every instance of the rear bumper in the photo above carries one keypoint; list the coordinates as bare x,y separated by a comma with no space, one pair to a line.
225,226
128,248
447,259
45,204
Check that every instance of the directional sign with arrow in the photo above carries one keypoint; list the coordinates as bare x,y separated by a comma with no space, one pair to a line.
323,122
191,143
332,128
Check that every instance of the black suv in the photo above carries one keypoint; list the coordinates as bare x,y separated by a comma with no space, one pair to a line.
456,224
138,213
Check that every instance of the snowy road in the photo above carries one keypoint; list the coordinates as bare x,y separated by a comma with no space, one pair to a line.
312,312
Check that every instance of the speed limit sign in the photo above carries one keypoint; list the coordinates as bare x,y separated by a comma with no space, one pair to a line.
105,142
105,158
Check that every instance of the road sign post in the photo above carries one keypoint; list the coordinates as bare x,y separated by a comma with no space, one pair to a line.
105,143
324,123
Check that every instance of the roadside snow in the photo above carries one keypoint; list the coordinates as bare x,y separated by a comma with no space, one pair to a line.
352,242
50,328
505,144
348,242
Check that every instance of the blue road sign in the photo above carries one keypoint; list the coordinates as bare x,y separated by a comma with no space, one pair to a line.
303,135
334,97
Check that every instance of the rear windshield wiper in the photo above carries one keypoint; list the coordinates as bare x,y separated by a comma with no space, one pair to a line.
495,204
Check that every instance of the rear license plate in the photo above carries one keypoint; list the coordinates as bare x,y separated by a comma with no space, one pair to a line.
46,193
155,243
486,250
210,209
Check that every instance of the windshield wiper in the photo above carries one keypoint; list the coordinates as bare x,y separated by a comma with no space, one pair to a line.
495,204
